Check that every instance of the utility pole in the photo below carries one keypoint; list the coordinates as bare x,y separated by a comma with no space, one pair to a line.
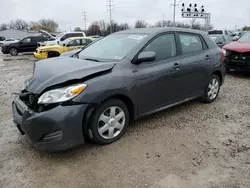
174,5
163,20
85,20
110,6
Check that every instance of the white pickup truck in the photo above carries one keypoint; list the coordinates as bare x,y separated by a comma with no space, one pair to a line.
60,37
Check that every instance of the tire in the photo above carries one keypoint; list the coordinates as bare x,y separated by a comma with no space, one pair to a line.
53,54
212,89
104,128
13,52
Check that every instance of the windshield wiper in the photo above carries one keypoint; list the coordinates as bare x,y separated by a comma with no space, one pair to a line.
90,59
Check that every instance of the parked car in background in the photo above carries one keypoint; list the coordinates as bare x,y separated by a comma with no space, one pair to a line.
221,40
237,54
62,37
220,32
28,44
237,35
2,38
115,80
69,44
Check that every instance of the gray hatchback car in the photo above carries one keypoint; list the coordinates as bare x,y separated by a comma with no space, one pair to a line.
127,75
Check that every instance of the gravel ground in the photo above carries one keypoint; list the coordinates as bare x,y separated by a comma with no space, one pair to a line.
193,145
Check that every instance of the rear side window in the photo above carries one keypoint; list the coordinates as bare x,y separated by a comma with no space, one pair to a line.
164,46
190,43
77,35
76,42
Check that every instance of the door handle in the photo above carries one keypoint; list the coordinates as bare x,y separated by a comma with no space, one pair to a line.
207,57
176,66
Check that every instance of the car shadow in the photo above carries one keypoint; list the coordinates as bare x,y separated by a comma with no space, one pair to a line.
90,148
240,74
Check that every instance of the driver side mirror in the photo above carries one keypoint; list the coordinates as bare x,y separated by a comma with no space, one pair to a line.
146,57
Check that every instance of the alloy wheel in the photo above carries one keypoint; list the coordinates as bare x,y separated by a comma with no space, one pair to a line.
111,122
13,52
213,89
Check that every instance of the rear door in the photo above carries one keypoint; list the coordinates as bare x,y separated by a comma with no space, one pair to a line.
195,64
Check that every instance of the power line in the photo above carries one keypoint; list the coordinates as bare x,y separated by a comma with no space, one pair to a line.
110,8
174,5
85,20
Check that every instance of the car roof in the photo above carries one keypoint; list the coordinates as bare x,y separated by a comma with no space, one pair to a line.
74,38
153,30
216,35
74,32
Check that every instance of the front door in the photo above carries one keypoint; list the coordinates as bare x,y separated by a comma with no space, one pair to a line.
25,45
157,81
73,45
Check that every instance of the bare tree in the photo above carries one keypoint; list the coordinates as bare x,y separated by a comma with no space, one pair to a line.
165,23
94,29
124,26
77,29
18,24
246,28
195,25
141,24
48,25
3,27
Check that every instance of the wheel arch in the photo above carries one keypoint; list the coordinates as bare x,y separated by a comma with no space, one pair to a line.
55,52
219,74
89,112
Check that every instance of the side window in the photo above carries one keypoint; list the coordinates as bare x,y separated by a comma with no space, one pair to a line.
227,38
64,37
76,42
76,34
26,40
88,41
226,33
190,43
164,46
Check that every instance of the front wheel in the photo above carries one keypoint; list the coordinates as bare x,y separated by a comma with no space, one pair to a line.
212,90
109,122
13,52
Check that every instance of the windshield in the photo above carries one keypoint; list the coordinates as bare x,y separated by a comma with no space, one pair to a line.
214,38
59,35
112,47
245,38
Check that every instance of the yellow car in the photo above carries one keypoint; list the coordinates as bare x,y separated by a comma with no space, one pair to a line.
73,43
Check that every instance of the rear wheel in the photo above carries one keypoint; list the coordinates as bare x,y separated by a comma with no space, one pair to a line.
212,90
13,52
109,122
53,54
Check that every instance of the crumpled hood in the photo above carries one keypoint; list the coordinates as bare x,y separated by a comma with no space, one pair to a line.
55,71
238,47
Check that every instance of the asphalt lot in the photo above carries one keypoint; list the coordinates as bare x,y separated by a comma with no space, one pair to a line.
194,145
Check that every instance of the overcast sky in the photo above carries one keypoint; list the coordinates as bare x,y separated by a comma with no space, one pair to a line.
69,13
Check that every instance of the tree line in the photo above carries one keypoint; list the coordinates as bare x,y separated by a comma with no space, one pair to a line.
43,24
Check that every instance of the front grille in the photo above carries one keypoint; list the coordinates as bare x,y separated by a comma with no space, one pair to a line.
236,56
30,100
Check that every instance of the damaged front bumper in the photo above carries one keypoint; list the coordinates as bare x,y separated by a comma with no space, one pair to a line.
57,129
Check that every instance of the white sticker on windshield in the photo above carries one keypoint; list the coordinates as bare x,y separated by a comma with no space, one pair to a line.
136,37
